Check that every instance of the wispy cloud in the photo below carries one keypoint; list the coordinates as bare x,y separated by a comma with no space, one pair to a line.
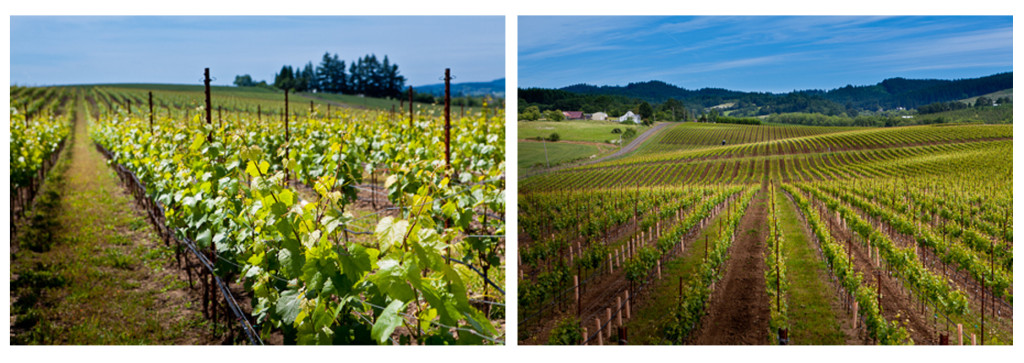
770,52
727,65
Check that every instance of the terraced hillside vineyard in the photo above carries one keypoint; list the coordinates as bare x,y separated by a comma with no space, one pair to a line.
778,235
311,222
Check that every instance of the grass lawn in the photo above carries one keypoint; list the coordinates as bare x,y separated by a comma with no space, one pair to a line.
532,153
811,318
91,270
592,131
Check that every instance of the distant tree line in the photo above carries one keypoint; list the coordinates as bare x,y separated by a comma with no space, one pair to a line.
367,76
536,103
957,105
942,107
848,101
738,120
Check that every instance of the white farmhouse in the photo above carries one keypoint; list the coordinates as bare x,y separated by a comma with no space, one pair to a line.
630,116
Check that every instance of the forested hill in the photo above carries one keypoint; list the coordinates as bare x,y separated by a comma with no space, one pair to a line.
911,93
888,94
495,88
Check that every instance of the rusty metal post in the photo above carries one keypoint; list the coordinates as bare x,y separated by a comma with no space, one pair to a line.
151,112
259,113
447,118
209,110
287,135
310,108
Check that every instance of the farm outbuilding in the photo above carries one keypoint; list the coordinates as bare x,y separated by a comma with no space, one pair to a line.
599,116
573,115
630,116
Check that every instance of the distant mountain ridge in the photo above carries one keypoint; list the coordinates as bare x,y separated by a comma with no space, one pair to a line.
495,88
887,94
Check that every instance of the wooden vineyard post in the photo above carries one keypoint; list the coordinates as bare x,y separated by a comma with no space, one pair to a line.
600,333
610,264
778,277
151,112
585,335
878,282
310,108
329,111
447,118
618,304
410,107
705,248
627,305
129,106
960,334
974,339
576,287
259,113
855,314
658,263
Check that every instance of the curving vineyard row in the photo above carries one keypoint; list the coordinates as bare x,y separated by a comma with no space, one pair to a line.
916,247
884,162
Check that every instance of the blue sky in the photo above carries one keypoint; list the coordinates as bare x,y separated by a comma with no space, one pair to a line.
769,53
88,49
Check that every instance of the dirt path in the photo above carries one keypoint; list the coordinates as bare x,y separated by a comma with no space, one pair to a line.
639,140
600,144
92,270
738,311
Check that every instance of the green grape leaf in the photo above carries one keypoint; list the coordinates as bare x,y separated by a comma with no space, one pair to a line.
390,233
252,169
204,238
289,305
387,321
390,278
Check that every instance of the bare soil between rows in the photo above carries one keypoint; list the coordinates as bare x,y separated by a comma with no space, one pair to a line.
738,311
